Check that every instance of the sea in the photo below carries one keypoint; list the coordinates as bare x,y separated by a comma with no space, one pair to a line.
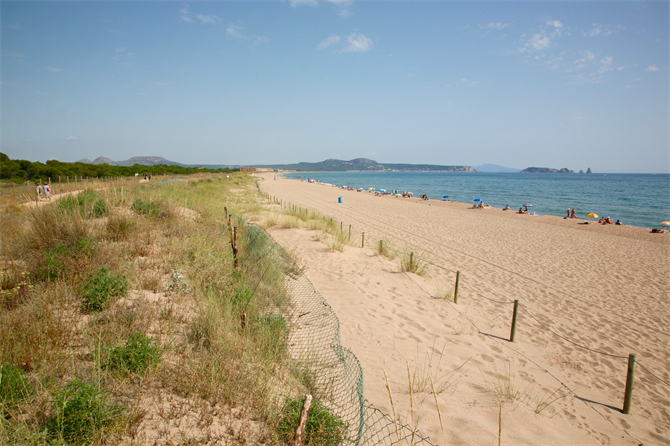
641,200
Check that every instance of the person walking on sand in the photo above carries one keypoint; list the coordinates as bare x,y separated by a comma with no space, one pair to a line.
38,190
47,191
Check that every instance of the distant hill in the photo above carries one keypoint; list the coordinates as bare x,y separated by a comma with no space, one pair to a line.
547,170
364,164
495,168
151,161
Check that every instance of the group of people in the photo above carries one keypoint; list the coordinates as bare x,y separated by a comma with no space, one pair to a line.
571,213
608,221
43,191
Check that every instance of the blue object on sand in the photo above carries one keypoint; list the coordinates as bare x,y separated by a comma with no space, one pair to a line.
339,199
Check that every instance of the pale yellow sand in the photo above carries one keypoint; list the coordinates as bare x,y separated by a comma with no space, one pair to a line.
604,287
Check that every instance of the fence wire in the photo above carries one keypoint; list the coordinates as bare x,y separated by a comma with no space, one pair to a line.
334,374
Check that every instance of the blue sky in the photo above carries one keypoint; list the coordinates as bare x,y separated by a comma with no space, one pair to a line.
548,84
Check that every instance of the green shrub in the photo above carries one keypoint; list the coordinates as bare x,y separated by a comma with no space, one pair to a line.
100,287
100,208
80,413
57,259
323,427
138,353
409,262
14,387
78,203
147,208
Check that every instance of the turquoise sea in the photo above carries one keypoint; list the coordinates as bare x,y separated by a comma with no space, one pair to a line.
636,199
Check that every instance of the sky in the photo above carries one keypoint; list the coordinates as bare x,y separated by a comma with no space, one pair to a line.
519,84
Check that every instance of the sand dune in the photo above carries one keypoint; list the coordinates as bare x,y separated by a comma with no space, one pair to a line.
603,287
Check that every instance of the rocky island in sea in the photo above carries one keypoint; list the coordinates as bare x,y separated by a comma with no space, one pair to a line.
547,170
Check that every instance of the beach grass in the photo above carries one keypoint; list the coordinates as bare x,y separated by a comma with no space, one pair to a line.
127,295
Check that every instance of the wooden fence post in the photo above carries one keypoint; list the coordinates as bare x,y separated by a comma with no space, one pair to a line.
628,395
363,240
512,334
458,279
299,438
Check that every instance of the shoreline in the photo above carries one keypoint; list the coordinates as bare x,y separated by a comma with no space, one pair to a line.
602,287
499,190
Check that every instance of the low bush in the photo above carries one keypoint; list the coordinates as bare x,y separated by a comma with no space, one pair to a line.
146,208
80,414
138,353
100,208
14,387
323,427
409,262
100,287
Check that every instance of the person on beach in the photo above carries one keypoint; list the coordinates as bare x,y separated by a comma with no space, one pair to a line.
506,208
573,214
47,191
568,214
38,190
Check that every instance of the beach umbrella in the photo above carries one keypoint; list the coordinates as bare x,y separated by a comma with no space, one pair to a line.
383,190
478,199
592,215
528,205
446,196
372,188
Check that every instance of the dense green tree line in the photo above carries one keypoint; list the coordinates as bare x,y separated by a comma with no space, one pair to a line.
22,170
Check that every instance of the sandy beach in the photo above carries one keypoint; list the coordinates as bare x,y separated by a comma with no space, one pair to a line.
605,288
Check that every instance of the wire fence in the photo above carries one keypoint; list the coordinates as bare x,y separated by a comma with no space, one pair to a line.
524,308
332,372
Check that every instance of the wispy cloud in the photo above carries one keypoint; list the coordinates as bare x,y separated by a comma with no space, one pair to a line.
209,18
494,26
652,68
355,43
296,3
358,43
72,138
162,83
331,40
602,30
235,31
120,50
204,19
544,39
57,70
343,7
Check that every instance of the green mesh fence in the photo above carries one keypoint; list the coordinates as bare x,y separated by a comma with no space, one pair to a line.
335,376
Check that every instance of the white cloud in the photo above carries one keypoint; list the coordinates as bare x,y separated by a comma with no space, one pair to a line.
184,11
296,3
72,138
494,25
606,65
162,83
652,68
344,7
602,30
209,18
537,42
557,25
358,43
120,50
57,70
186,18
331,40
234,31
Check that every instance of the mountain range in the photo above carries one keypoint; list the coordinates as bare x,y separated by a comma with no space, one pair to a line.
332,165
364,164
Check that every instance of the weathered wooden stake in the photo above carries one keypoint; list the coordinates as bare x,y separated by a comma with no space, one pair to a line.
512,334
458,279
628,395
299,438
363,240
